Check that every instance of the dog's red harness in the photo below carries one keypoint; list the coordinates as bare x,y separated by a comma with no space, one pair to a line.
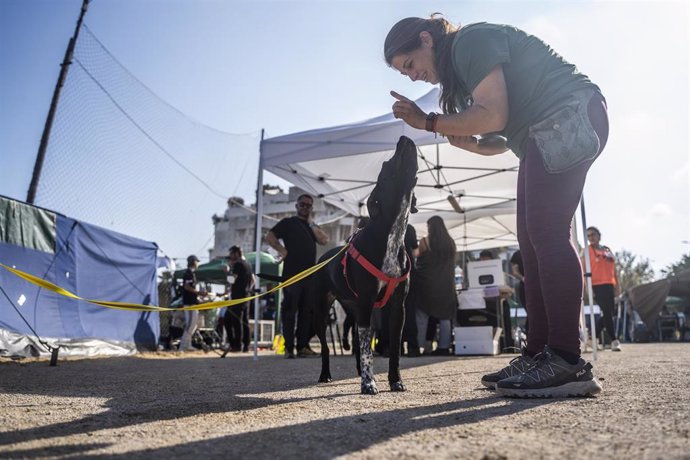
391,283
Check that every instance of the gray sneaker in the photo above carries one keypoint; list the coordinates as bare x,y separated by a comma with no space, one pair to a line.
551,377
516,366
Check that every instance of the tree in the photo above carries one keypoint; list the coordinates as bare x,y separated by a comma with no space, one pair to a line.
234,201
632,271
269,189
675,269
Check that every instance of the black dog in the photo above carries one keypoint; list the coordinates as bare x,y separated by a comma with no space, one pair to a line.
373,271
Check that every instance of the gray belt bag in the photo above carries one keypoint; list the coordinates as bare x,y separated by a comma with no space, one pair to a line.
567,139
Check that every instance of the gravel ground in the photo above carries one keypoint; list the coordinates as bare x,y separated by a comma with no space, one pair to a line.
162,405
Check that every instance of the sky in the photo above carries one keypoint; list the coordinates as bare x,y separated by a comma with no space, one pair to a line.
288,66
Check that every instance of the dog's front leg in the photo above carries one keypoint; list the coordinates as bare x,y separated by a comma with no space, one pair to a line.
356,348
396,320
322,309
367,361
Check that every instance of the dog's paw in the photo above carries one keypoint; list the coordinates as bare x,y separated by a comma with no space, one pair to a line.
369,389
397,386
325,378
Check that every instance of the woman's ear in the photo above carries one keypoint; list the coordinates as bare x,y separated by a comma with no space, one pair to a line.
427,39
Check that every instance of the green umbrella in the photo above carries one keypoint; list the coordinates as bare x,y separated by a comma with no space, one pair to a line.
214,271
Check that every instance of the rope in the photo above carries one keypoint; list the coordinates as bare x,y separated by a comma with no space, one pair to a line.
128,306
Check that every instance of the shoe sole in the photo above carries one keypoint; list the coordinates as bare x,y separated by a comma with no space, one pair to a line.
489,385
571,389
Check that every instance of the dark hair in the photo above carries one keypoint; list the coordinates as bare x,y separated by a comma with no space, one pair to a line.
236,249
440,241
486,253
594,229
404,38
305,195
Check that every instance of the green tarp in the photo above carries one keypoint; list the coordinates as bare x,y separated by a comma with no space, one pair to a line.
27,226
214,271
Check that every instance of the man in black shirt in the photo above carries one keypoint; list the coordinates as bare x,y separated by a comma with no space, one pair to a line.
298,252
236,318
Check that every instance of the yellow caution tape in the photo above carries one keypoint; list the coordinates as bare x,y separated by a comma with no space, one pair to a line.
140,307
279,344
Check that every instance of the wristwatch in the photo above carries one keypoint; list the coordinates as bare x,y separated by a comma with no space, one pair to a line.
430,122
313,224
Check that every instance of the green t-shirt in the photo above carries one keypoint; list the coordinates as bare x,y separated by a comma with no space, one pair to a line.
538,79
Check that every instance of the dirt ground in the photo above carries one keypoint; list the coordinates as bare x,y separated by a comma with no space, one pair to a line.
162,405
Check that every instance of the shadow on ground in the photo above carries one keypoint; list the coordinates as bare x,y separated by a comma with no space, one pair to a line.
139,390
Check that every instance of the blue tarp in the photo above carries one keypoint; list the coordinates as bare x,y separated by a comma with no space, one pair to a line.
87,260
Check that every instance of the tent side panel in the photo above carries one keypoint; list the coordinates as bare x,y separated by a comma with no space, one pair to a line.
89,261
648,299
115,267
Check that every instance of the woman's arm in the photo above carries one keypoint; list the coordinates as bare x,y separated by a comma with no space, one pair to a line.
423,246
488,113
471,144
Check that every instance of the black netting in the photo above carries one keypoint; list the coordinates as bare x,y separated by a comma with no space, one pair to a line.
122,158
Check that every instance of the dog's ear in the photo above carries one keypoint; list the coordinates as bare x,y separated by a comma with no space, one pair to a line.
413,206
373,204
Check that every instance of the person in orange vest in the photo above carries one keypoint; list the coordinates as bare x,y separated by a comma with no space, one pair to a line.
604,282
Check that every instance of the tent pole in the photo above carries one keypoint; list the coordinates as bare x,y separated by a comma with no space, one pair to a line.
64,67
624,301
588,277
438,164
583,322
257,258
618,318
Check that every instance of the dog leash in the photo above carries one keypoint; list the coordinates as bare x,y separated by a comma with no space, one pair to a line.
391,282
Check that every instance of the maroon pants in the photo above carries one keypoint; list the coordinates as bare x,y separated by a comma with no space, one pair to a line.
546,204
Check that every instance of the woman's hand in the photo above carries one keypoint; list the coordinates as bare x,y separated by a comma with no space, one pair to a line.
471,144
468,143
408,111
283,254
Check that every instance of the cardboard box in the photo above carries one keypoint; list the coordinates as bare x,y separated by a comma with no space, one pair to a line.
471,299
483,273
479,340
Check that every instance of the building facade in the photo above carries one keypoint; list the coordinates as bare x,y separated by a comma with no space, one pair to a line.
237,225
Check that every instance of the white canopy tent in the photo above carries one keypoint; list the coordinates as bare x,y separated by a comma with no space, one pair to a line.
340,164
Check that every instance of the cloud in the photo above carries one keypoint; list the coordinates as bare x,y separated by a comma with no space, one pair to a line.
546,28
660,210
638,121
682,174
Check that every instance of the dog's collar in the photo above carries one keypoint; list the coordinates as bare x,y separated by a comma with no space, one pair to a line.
391,283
